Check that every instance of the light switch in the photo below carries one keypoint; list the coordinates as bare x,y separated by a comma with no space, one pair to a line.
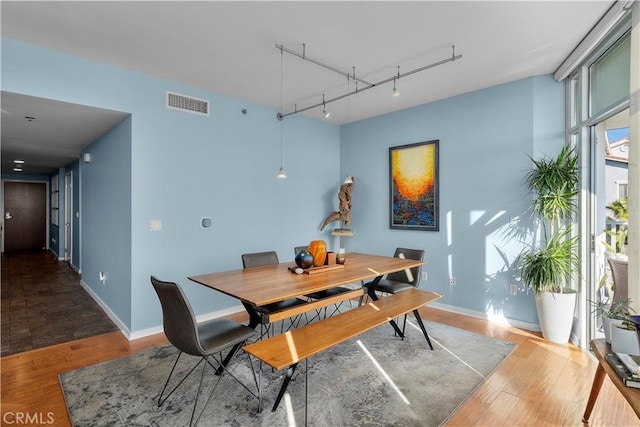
155,225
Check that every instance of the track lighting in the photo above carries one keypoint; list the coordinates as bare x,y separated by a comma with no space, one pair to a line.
367,84
324,108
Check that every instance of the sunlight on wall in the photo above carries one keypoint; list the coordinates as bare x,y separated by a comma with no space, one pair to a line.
449,243
475,216
449,223
495,217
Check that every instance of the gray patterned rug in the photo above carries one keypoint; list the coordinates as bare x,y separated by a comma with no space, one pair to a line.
376,380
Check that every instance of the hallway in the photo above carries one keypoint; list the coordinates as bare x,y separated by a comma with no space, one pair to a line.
44,304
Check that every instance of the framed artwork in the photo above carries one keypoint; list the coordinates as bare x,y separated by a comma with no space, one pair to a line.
413,180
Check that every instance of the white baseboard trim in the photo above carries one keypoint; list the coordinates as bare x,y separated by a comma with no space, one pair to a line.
123,328
154,329
480,315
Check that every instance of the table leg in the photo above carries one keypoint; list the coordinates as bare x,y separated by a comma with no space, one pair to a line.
598,380
371,291
254,320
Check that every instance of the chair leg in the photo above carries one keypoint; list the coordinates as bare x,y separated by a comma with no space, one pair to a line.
195,404
160,399
222,367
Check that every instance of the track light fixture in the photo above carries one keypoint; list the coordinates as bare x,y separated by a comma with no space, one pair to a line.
368,85
324,108
395,90
281,173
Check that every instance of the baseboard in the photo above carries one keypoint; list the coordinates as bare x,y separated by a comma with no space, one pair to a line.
114,318
480,315
154,329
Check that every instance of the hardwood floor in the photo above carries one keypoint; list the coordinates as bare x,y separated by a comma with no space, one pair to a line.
539,384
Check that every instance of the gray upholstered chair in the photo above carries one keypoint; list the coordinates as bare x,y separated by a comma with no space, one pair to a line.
402,280
405,279
206,340
259,259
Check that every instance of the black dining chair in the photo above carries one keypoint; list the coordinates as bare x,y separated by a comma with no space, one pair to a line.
402,280
260,259
206,340
324,293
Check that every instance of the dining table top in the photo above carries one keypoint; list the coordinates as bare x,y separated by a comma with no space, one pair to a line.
263,285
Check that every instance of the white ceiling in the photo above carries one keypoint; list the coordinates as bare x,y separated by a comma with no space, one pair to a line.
229,47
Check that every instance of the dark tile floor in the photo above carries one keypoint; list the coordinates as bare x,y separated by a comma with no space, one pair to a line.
43,304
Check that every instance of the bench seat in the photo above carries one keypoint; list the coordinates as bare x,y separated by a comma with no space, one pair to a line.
284,350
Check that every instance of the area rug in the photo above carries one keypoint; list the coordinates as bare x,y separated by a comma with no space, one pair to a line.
375,380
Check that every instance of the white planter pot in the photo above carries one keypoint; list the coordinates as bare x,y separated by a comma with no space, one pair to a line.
624,341
607,323
555,313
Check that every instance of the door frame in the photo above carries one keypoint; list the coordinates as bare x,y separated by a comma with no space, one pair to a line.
68,217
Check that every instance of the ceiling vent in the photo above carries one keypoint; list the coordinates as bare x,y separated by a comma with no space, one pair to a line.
187,103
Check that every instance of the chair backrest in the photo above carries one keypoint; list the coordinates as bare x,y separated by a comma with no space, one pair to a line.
178,319
258,259
401,276
620,273
298,249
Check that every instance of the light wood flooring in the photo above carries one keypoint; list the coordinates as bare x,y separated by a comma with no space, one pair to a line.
539,384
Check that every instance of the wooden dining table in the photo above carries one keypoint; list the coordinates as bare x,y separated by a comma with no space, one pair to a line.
259,286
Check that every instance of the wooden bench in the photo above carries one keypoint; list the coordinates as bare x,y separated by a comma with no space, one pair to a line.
287,349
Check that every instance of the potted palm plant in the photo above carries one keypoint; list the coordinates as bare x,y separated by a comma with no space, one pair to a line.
548,266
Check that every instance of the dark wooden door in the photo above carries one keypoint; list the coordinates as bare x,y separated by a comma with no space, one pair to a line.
25,216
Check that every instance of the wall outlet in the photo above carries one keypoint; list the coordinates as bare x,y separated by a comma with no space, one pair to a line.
424,276
452,280
513,289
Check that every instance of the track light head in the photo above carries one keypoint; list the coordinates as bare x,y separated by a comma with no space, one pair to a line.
324,108
395,92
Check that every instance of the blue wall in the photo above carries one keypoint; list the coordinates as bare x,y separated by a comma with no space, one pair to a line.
485,140
182,167
176,167
106,226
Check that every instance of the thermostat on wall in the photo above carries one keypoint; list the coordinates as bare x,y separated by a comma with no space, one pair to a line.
206,222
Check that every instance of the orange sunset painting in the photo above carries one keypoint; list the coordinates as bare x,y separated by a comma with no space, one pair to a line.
414,186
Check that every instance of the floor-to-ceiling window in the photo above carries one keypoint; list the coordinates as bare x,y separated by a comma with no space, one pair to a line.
598,125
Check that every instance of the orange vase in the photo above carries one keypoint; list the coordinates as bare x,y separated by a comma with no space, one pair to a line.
318,249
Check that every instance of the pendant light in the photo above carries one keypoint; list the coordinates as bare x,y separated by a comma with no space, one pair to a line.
324,108
395,92
281,174
348,179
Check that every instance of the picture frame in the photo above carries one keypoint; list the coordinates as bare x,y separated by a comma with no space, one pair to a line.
414,199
